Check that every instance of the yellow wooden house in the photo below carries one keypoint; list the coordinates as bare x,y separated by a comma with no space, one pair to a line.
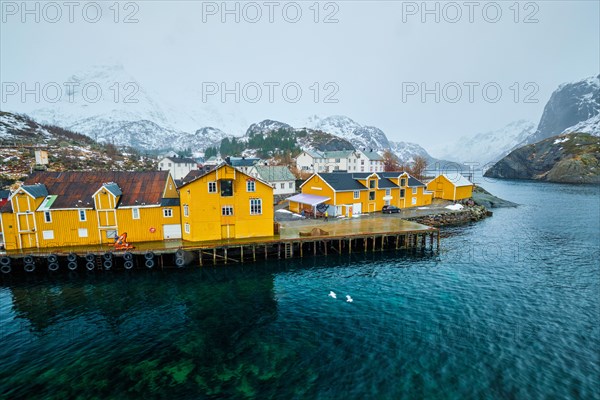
451,187
226,203
56,209
355,193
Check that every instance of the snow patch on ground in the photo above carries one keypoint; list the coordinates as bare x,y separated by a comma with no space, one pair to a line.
559,140
455,207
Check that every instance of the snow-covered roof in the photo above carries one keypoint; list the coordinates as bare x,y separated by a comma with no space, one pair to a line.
458,180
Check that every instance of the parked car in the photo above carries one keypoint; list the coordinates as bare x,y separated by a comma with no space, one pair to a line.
390,209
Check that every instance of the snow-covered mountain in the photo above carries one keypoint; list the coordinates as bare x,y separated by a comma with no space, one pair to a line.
267,126
108,104
573,107
368,137
491,146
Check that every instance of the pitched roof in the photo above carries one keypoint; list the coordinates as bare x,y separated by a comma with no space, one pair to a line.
242,162
182,160
342,181
414,182
372,155
314,153
74,189
36,190
458,180
203,173
274,173
338,154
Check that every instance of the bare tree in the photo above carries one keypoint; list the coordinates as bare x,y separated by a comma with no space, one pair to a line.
390,161
418,167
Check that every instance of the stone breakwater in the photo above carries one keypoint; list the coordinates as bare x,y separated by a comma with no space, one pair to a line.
466,215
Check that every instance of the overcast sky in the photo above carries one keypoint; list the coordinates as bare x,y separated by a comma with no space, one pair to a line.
369,60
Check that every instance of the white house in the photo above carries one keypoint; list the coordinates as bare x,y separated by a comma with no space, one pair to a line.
327,161
244,164
280,177
213,161
178,166
368,161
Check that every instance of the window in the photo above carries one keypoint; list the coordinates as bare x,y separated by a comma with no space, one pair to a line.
82,216
357,194
402,193
169,164
372,184
83,232
48,235
250,186
414,190
135,213
255,206
111,234
186,210
161,165
291,185
337,160
403,182
47,216
388,192
414,200
186,226
226,211
168,212
362,162
212,187
371,195
282,185
226,188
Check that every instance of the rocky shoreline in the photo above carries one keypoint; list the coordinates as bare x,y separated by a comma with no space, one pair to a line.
452,218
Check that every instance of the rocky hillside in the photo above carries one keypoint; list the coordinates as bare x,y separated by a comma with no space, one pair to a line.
20,137
270,138
567,158
573,107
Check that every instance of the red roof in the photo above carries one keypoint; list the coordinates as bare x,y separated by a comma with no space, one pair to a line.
74,189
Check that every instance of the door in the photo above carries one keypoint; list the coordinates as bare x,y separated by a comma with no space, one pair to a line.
227,231
172,231
371,207
356,208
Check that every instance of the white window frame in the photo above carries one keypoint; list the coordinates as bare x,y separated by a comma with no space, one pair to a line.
48,235
186,210
388,192
186,227
82,213
414,190
250,186
211,183
356,194
282,185
47,217
413,201
167,212
82,232
226,211
135,213
291,185
255,206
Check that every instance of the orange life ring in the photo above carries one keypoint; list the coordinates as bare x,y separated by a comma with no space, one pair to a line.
152,230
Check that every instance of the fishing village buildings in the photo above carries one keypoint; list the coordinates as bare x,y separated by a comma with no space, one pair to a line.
356,193
345,160
57,209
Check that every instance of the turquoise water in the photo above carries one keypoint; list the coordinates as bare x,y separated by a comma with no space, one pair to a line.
508,309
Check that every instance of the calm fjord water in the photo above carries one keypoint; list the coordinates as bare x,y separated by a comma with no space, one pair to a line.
508,309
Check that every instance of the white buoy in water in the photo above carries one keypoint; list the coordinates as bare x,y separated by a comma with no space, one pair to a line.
332,294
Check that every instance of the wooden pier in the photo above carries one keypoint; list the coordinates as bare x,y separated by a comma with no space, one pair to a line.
295,240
